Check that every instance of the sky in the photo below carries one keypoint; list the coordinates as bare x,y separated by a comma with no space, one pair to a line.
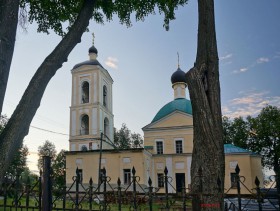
141,60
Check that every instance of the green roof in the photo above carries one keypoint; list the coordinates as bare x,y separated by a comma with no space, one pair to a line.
180,104
229,148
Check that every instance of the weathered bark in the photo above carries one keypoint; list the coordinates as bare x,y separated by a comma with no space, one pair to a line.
204,88
18,125
8,28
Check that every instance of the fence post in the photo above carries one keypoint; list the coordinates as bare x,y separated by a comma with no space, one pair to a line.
119,195
166,186
237,179
257,183
64,191
27,191
104,179
17,190
78,179
40,190
46,186
90,193
150,194
134,188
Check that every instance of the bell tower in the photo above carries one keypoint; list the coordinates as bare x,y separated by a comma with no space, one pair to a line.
91,111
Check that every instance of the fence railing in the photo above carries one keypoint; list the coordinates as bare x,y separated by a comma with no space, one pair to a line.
18,194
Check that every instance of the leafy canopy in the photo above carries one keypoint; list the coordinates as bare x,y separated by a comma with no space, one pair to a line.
259,134
53,14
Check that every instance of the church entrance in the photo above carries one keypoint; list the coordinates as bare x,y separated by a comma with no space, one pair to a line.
180,181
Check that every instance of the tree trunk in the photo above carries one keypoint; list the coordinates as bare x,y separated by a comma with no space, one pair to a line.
208,161
8,29
18,125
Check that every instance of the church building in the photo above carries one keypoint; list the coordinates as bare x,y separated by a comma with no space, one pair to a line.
168,139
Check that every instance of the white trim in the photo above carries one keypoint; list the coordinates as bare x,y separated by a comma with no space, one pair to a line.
73,122
94,88
94,121
189,162
169,166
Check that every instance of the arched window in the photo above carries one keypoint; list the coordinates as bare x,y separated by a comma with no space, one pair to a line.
84,125
106,126
105,96
85,92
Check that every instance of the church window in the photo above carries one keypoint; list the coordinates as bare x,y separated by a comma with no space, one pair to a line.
80,172
159,146
105,96
126,176
179,146
84,125
160,178
85,92
106,126
233,180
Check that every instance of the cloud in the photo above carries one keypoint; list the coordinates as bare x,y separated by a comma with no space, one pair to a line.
249,103
262,60
112,62
228,56
241,70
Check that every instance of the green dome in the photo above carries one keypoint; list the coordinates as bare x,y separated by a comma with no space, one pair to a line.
180,104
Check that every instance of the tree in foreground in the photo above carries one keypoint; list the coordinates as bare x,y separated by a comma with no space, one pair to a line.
55,15
204,87
124,139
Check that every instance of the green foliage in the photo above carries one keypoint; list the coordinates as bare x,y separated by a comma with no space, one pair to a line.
124,139
265,136
58,167
19,165
47,149
3,122
259,134
55,14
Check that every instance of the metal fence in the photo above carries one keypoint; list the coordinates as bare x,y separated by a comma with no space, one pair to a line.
39,195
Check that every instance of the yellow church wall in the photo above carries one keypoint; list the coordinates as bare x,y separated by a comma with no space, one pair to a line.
113,161
169,137
256,165
249,165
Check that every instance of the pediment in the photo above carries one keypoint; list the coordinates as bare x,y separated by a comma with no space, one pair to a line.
175,119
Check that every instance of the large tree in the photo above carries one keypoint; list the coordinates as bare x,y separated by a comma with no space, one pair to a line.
208,165
236,131
50,15
47,149
265,138
260,134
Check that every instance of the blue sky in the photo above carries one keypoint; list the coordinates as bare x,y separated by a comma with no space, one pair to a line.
142,58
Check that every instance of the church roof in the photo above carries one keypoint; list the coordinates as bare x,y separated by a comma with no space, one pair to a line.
179,104
89,62
231,149
93,49
178,76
